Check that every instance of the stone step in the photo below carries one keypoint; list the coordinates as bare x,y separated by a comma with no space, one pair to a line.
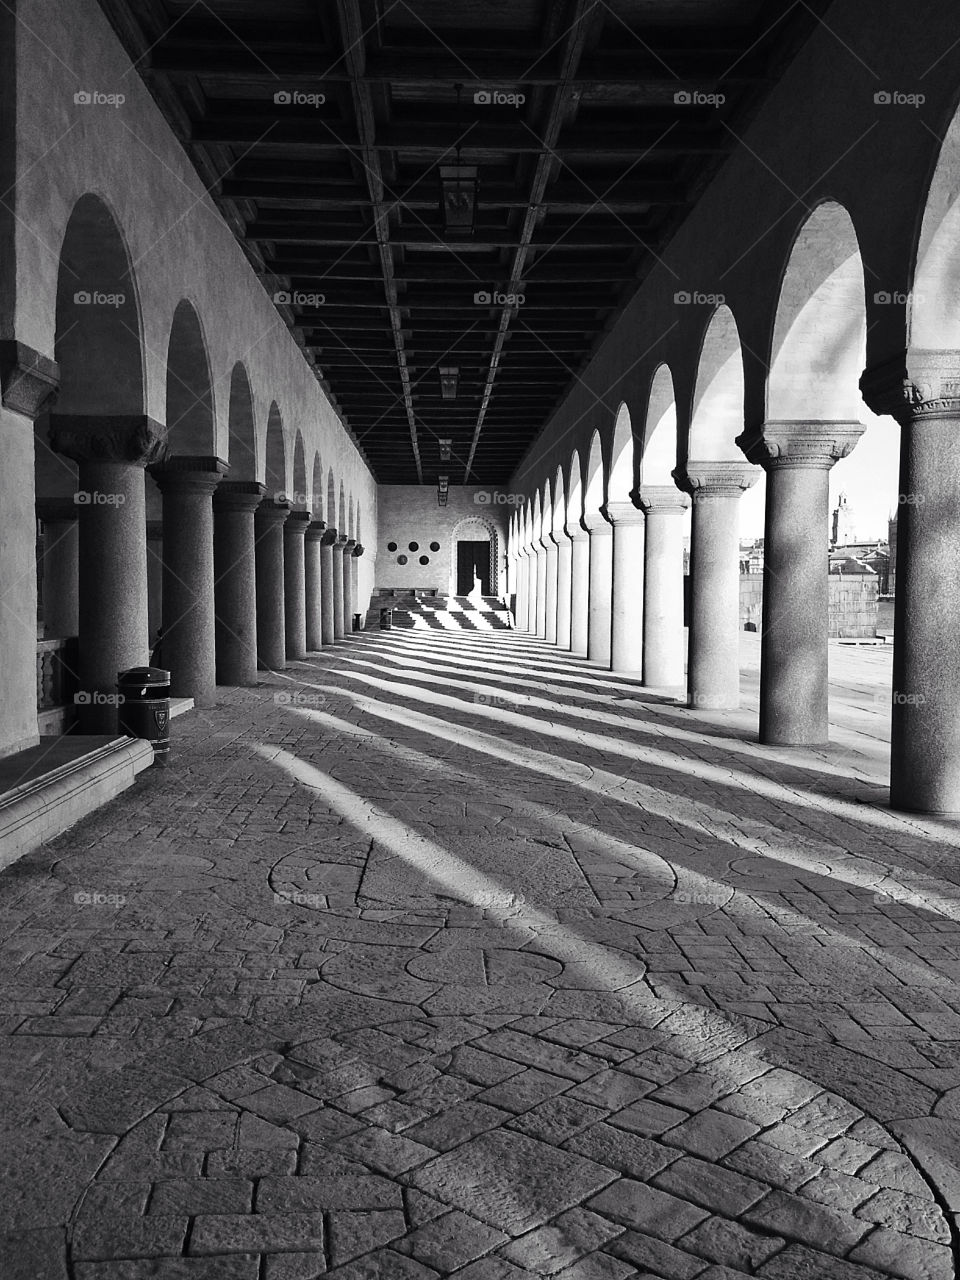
46,789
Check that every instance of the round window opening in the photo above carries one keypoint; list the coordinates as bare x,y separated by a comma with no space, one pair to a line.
391,546
414,546
401,559
434,546
424,559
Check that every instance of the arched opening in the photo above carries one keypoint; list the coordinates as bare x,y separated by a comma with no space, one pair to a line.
594,493
342,510
191,429
575,497
622,458
558,505
350,526
317,505
299,498
474,558
275,476
242,427
659,457
331,507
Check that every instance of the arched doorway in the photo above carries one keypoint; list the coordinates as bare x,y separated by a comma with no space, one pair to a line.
474,558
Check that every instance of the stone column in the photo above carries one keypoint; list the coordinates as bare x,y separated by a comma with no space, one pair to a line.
338,592
348,607
552,588
326,586
663,506
540,548
269,520
601,587
235,580
523,589
28,380
355,581
533,581
111,453
187,485
797,457
61,566
564,586
313,584
713,650
921,389
579,590
294,584
626,637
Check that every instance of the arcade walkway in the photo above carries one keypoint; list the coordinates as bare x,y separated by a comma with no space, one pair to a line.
437,955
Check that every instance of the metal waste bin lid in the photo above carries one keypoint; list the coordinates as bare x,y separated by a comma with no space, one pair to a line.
144,676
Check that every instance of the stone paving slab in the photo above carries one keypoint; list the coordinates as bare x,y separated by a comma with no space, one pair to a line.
565,981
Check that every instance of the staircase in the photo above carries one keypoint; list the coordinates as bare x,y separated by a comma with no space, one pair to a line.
422,611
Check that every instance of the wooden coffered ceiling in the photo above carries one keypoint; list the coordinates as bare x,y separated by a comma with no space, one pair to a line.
320,127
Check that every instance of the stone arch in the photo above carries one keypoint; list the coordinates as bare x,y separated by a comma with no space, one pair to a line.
317,505
275,475
622,465
342,509
300,497
933,309
190,416
559,506
594,491
718,393
350,525
659,457
575,494
536,525
242,427
331,506
818,347
98,342
466,529
358,528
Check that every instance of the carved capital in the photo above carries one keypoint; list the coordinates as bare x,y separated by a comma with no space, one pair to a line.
297,524
624,513
662,499
919,385
238,495
716,479
813,445
358,551
29,381
270,512
184,474
329,537
340,542
315,531
130,438
348,546
597,525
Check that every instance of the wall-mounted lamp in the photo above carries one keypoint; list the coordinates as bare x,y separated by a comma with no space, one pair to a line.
445,449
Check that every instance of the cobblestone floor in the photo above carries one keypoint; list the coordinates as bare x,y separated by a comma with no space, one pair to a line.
442,954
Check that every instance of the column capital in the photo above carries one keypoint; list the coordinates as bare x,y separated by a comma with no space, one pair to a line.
297,524
29,381
621,513
185,474
559,536
97,437
340,542
916,385
348,546
238,495
796,443
577,533
718,477
662,498
358,551
329,537
315,531
57,510
596,524
269,511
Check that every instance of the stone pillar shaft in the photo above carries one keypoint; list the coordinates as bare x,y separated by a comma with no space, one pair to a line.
579,592
663,656
313,585
921,389
327,635
564,587
294,585
189,649
601,589
551,590
338,592
797,457
271,612
349,607
713,655
626,636
235,581
541,620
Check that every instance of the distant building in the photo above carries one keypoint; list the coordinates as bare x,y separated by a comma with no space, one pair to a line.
843,531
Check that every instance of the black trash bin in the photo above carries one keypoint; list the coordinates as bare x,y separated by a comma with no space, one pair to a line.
356,622
386,619
144,708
